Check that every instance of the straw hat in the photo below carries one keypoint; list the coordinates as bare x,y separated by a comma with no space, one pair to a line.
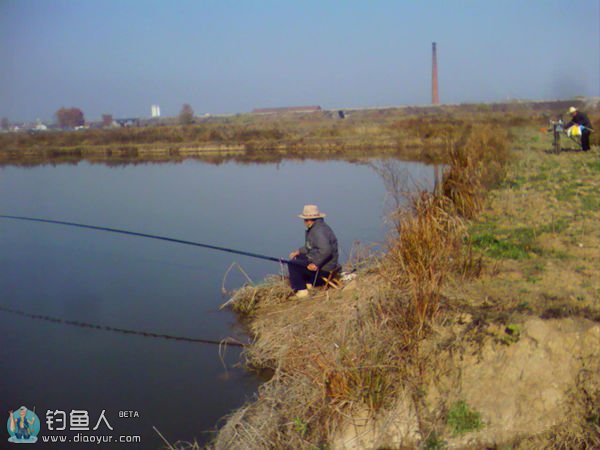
572,110
311,212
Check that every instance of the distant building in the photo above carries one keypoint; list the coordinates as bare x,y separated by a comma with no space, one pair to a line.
155,111
39,126
128,122
286,109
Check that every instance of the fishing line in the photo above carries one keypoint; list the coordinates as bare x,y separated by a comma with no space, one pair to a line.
75,323
152,236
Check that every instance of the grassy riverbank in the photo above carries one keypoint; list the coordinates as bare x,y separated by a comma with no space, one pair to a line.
486,300
540,231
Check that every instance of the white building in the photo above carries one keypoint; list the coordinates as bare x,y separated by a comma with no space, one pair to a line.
155,110
39,126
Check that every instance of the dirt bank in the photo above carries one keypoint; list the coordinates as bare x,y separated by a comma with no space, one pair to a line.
544,381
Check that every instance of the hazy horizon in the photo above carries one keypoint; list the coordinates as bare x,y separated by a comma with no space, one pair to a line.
223,56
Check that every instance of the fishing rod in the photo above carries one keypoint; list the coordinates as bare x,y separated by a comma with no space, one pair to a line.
227,341
152,236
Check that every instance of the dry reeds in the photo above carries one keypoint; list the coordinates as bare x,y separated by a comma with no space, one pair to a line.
273,291
429,240
477,162
325,366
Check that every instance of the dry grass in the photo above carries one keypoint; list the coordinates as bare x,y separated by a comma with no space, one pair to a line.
477,163
429,240
326,366
430,233
323,368
273,291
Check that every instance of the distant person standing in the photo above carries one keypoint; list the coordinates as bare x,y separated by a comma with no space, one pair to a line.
581,120
319,255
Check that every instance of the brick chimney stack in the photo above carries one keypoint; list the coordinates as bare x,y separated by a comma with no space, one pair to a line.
435,95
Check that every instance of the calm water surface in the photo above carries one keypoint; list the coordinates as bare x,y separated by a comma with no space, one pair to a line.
181,388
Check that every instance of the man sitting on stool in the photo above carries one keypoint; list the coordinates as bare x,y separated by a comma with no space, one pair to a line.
317,258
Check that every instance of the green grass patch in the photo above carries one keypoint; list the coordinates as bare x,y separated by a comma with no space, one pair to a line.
513,183
594,165
590,202
524,236
533,279
512,333
300,426
534,271
542,176
565,195
558,254
462,419
434,442
556,226
539,266
515,243
496,248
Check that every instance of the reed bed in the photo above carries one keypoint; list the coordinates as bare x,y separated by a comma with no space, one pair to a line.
430,241
477,163
426,249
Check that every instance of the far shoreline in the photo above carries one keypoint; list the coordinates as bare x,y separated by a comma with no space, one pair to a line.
407,133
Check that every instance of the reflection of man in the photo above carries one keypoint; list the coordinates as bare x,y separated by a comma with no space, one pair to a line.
22,427
318,257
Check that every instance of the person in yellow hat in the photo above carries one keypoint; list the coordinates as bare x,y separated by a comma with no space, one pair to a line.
319,255
581,120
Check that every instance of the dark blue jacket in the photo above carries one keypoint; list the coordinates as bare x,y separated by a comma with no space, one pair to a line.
579,118
321,246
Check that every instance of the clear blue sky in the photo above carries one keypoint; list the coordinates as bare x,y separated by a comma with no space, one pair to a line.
228,56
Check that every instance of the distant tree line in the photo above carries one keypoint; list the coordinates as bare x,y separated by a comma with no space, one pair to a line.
73,117
186,116
107,120
70,117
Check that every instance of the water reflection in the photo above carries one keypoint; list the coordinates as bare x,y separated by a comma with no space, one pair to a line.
243,157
